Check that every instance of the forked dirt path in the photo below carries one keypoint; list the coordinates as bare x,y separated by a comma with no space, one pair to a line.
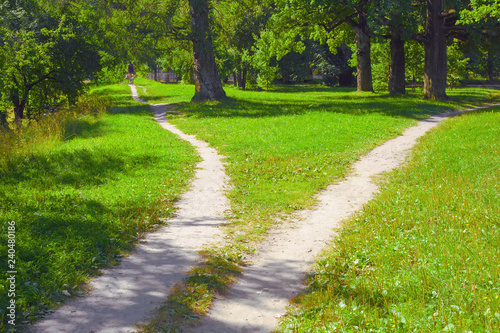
261,294
125,295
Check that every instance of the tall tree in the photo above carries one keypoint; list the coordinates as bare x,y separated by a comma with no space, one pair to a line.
440,26
238,27
208,85
326,21
45,59
395,20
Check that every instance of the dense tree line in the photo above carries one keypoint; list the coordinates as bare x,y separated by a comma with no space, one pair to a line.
48,49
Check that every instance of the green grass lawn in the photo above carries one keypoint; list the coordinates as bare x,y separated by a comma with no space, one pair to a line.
285,145
282,147
78,203
424,255
82,201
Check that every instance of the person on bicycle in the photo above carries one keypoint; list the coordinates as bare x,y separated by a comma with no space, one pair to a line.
130,72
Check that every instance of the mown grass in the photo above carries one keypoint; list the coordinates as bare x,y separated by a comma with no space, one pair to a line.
156,92
282,147
424,255
83,200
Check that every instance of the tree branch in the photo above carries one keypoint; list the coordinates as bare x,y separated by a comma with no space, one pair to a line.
458,35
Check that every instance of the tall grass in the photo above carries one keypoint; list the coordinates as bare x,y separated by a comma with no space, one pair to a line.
51,128
424,255
81,200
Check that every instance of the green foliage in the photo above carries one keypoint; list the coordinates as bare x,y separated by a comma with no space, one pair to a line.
381,63
179,58
333,67
457,65
422,256
262,60
414,58
45,61
238,27
481,11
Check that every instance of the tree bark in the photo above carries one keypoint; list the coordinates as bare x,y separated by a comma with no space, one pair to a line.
363,52
397,69
435,66
19,106
489,67
208,85
235,79
242,78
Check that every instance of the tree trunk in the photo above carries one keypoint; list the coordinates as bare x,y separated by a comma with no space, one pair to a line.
19,114
243,79
435,66
19,106
235,79
208,85
364,65
489,67
397,70
285,76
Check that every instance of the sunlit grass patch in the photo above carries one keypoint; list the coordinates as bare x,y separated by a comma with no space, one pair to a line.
156,92
424,255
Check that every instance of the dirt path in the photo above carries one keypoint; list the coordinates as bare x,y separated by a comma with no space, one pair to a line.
125,295
261,294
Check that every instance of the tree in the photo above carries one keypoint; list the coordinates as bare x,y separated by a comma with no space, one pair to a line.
334,68
265,62
238,27
414,60
327,22
457,65
440,26
208,85
144,29
174,20
396,21
45,60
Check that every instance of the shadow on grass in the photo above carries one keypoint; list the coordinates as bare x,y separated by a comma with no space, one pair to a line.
67,225
232,107
75,169
83,128
323,99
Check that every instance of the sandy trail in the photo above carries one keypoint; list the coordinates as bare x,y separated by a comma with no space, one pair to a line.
126,295
261,294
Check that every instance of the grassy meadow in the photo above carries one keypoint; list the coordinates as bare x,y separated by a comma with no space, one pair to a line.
81,197
424,255
282,147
